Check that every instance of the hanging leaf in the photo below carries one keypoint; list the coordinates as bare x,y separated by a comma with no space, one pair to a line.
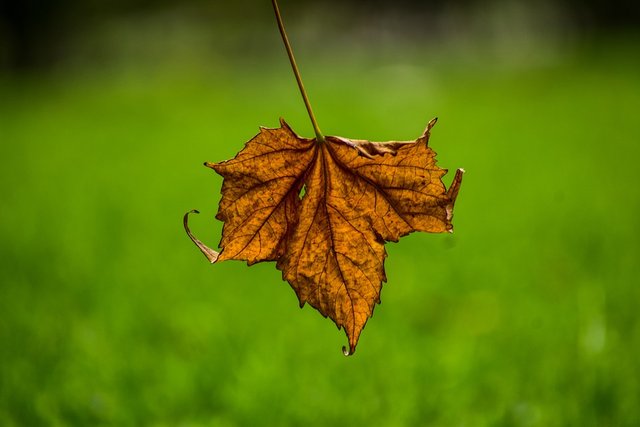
323,208
329,242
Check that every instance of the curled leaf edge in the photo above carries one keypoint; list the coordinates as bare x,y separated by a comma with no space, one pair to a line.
209,253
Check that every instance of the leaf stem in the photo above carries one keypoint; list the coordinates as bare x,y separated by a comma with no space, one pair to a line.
296,72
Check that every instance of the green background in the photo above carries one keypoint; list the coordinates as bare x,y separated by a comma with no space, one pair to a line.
525,316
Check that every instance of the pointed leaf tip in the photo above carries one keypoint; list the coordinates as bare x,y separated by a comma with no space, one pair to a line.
452,192
348,351
427,130
211,255
430,125
357,196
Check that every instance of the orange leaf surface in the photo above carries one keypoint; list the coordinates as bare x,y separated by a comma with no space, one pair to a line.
323,211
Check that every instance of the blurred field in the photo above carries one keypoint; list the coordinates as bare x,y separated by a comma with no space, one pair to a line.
526,316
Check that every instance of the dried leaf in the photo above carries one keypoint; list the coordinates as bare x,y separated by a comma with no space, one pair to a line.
328,240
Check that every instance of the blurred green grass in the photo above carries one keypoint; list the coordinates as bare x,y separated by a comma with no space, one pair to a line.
526,316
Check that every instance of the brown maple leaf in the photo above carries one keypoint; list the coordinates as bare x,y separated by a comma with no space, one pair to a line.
328,240
323,208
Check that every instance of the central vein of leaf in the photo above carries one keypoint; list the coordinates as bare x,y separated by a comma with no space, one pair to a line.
324,153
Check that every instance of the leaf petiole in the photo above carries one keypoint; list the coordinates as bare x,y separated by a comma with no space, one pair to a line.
296,72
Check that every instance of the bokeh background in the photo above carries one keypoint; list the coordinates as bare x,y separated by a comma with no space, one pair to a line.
526,316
